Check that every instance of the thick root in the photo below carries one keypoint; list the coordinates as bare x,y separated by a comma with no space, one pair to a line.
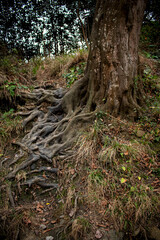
53,133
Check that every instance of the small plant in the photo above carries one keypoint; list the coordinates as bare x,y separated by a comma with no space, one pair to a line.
8,125
100,115
80,227
74,74
149,79
96,185
96,177
136,80
11,89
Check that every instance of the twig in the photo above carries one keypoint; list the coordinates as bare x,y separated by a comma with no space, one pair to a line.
10,196
47,190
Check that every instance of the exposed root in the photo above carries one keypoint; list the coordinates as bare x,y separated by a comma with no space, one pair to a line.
21,145
33,115
23,165
33,180
52,133
41,169
16,158
47,190
47,185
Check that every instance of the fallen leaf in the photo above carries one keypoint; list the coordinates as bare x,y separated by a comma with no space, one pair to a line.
101,225
26,220
72,171
47,230
93,166
44,176
104,202
126,153
54,221
133,189
123,180
39,208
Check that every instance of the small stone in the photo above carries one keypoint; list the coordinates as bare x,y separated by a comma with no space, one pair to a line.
36,232
62,222
71,214
98,234
113,235
140,133
33,166
49,238
44,220
43,227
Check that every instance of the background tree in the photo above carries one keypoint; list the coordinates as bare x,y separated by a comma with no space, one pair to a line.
150,34
40,27
44,27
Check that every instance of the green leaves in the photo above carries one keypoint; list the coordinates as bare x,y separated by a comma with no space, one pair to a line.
11,86
74,74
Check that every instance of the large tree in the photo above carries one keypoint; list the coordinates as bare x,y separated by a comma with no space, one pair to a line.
108,84
112,66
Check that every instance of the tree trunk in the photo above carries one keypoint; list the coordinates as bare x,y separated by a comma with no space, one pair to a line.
113,59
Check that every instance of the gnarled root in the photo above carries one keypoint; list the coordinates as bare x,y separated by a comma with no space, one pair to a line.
53,133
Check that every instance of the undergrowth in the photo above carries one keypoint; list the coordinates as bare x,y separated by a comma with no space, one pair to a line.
10,127
66,68
115,171
117,174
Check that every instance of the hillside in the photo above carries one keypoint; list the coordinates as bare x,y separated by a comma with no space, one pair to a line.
82,176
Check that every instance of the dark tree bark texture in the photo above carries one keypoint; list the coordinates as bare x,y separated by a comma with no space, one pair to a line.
113,58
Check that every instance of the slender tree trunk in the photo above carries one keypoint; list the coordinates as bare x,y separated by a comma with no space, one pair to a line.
113,59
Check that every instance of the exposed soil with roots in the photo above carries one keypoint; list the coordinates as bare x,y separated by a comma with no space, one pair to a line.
50,131
52,122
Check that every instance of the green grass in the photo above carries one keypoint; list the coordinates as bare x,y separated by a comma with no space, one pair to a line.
9,125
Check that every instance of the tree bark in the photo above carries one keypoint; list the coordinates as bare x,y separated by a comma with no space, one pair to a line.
112,65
